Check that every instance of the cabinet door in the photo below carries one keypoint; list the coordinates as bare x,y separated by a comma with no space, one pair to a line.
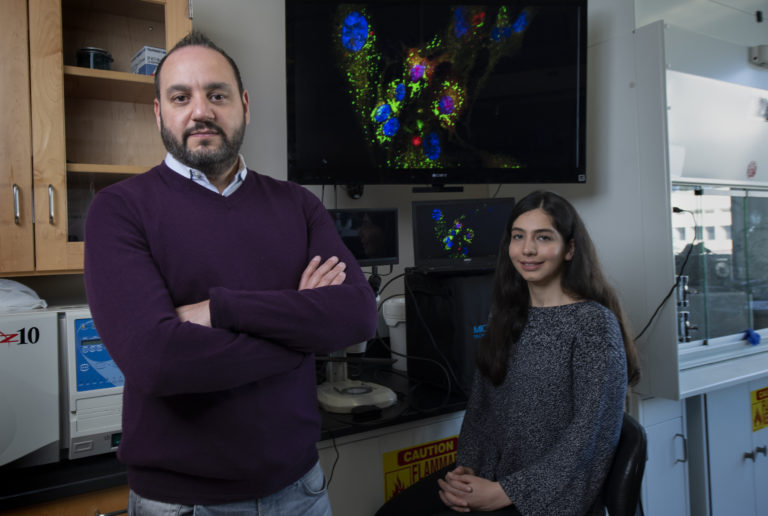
177,21
665,478
759,389
732,477
90,127
52,251
16,229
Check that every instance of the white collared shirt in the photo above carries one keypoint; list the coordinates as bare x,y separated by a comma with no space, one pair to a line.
201,179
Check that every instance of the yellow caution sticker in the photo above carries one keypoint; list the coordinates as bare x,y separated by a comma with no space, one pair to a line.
759,409
405,467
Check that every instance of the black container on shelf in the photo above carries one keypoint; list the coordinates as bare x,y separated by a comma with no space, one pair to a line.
92,57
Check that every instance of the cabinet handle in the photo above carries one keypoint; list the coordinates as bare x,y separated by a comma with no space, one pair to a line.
749,455
16,206
762,449
685,448
50,204
114,513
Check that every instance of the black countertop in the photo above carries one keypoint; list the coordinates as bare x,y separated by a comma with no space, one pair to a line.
417,400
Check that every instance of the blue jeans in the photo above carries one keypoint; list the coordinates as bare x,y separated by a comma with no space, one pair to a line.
308,496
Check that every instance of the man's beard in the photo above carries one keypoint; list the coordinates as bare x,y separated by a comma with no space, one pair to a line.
213,162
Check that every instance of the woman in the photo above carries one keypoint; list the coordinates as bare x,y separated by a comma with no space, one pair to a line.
546,407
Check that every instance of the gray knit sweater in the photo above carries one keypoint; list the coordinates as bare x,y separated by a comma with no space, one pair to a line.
547,434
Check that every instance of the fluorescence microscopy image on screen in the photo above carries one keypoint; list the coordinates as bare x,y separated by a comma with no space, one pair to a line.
424,91
455,236
459,233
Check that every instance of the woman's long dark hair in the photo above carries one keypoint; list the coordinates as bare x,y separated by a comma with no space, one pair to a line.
582,278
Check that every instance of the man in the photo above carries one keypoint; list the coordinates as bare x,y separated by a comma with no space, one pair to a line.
212,287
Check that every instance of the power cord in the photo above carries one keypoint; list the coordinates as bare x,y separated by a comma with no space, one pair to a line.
432,340
392,352
675,209
336,459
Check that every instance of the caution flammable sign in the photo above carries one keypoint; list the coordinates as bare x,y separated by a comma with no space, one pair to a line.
407,466
759,409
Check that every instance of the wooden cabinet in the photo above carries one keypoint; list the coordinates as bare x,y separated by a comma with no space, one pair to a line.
89,127
104,501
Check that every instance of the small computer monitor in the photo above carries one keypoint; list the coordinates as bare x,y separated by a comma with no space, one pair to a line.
459,234
369,233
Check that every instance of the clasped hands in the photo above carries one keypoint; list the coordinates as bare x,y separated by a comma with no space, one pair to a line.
316,275
462,491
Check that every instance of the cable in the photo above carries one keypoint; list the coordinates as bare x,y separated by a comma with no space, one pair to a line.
391,270
497,191
432,338
390,281
381,341
679,274
335,460
392,352
447,396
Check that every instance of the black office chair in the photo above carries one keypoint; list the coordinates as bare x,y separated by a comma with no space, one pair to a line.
621,492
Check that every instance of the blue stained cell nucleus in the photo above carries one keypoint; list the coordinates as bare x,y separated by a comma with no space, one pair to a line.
382,113
354,31
432,146
400,92
391,126
521,23
446,105
461,26
437,214
500,33
417,72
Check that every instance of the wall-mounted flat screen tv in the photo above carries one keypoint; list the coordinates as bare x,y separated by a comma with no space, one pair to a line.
459,234
436,92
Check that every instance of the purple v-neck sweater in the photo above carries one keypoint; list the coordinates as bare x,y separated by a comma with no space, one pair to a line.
228,413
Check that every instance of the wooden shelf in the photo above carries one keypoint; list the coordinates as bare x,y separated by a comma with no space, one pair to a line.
88,83
107,169
152,10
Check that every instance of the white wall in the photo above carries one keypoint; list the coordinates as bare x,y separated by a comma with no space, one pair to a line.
253,33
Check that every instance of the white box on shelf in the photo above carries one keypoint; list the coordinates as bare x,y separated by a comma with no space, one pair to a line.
146,60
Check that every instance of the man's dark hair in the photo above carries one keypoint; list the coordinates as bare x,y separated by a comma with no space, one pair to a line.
197,39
